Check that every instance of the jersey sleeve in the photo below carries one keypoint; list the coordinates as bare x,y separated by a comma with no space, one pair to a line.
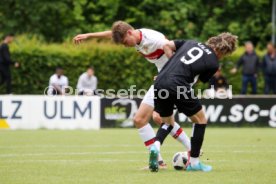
178,43
66,81
96,83
154,38
79,84
51,81
6,55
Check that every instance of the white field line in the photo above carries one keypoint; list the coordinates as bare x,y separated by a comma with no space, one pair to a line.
129,145
9,155
73,161
74,146
73,153
67,161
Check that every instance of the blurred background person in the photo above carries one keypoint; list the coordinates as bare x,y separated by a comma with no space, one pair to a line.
250,64
87,83
58,83
269,69
6,62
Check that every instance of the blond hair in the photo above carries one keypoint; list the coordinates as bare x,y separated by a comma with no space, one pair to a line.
224,43
119,30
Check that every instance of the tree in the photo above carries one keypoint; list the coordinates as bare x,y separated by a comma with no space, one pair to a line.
58,20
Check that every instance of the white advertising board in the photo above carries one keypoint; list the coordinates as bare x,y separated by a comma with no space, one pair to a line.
57,112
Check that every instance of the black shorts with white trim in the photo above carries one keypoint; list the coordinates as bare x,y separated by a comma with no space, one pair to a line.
186,103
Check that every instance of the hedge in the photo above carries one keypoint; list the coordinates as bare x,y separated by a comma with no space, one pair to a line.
116,67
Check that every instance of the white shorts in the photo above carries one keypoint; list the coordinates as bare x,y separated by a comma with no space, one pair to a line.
149,97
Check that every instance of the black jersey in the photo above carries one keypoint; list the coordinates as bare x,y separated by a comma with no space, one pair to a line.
192,61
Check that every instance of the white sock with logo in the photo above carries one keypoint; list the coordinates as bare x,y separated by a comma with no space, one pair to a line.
178,133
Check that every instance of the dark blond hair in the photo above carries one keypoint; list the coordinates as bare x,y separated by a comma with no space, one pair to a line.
119,30
224,43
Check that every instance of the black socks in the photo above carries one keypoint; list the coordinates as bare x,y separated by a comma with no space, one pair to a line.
163,132
197,139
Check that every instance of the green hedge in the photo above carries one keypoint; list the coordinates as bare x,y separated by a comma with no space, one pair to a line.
115,66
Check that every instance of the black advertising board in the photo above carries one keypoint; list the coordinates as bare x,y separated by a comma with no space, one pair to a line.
239,111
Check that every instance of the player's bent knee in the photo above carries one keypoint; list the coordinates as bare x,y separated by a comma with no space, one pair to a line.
139,121
157,118
199,118
203,120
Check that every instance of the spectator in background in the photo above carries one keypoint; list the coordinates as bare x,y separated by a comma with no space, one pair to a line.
269,69
58,83
6,62
87,83
250,63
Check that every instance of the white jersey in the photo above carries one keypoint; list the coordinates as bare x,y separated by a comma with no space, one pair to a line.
151,47
61,81
87,83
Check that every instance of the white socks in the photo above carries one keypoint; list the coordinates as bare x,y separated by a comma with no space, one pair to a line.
147,134
157,145
181,136
194,161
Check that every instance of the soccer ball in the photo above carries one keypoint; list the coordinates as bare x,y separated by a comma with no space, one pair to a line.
179,160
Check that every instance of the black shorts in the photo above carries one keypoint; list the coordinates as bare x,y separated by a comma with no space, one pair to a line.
188,104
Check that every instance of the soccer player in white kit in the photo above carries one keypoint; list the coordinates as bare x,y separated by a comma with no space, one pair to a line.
152,45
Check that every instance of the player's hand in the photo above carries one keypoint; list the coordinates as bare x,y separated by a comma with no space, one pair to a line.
154,78
79,38
233,70
16,64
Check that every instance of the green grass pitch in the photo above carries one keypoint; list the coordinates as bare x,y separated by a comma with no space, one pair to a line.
116,156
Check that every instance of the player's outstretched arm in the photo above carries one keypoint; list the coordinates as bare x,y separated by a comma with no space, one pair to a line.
80,37
169,48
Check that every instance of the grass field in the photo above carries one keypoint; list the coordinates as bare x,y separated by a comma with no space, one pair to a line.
238,155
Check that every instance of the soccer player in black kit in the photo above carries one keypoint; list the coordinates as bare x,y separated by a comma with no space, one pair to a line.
174,87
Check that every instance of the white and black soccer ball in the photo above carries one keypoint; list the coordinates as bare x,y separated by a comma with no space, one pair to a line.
179,160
